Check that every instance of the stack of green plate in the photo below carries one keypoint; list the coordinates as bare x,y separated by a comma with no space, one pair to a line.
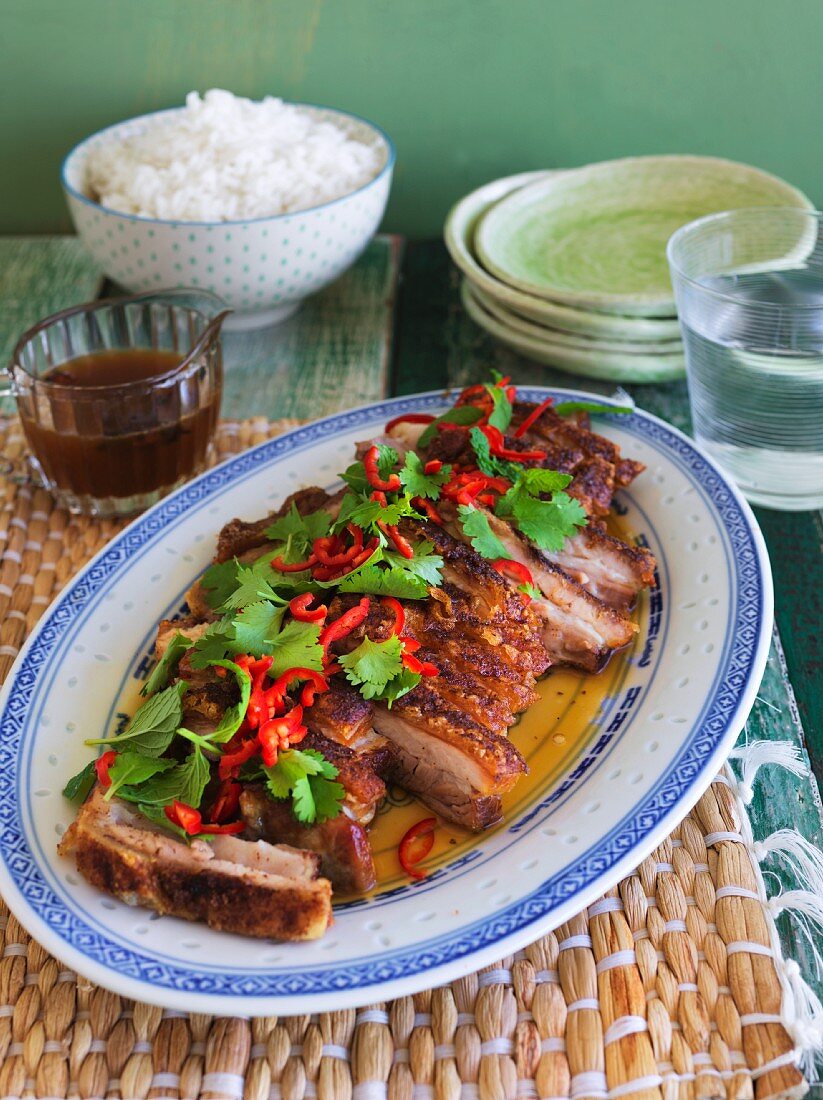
569,267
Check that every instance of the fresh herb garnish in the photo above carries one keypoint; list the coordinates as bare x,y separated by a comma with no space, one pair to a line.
78,787
153,725
166,665
307,778
461,416
417,482
476,526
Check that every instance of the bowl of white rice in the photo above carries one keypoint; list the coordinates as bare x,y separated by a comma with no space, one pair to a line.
260,202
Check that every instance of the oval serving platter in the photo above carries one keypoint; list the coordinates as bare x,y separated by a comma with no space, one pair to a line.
664,726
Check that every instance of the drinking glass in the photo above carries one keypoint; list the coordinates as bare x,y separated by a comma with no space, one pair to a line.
749,290
112,449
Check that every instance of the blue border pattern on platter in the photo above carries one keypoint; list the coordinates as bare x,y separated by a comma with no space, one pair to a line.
71,606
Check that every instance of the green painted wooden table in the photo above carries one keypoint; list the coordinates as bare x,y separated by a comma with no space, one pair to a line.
394,325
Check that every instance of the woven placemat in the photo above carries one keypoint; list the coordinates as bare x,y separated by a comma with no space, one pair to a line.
666,987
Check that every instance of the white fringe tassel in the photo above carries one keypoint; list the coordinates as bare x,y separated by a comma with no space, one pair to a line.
802,1010
753,756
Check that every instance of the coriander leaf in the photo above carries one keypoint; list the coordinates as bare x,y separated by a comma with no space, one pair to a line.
371,580
305,776
548,523
489,463
355,475
566,407
219,581
233,716
168,662
301,530
255,626
78,787
417,482
133,768
251,588
425,564
483,539
399,686
296,646
537,480
212,645
501,414
460,415
366,513
530,590
371,665
184,782
153,725
328,798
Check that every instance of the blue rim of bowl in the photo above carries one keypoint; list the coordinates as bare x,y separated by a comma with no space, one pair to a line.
71,190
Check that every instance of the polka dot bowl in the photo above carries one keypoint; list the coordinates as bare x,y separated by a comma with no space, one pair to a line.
262,268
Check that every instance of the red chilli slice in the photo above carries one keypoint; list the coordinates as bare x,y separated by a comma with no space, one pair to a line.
422,833
409,418
533,416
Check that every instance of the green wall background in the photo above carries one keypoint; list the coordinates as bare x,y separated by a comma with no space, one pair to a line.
468,89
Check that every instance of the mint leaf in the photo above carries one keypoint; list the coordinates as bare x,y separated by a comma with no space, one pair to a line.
296,646
537,480
212,645
566,407
219,581
460,416
165,666
133,768
184,782
371,580
417,482
255,627
78,787
233,716
501,414
372,665
157,815
483,539
153,725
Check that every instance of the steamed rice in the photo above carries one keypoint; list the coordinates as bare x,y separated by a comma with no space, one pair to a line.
226,158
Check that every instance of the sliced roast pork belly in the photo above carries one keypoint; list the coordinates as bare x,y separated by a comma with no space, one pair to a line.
251,888
341,844
608,568
577,628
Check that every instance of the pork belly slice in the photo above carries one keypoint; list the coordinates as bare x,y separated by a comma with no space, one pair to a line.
342,845
364,788
429,728
577,629
608,568
445,794
489,609
253,889
238,537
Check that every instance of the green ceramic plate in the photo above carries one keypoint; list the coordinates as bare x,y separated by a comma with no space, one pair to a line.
555,337
459,234
595,237
614,366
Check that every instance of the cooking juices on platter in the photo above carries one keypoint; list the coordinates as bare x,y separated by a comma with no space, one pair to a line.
98,433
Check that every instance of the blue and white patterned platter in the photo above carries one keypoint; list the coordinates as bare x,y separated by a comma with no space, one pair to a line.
689,686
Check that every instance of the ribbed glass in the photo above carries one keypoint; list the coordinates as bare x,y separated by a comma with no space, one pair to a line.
749,291
112,450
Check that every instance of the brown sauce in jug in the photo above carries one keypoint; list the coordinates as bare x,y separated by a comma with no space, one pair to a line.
94,437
